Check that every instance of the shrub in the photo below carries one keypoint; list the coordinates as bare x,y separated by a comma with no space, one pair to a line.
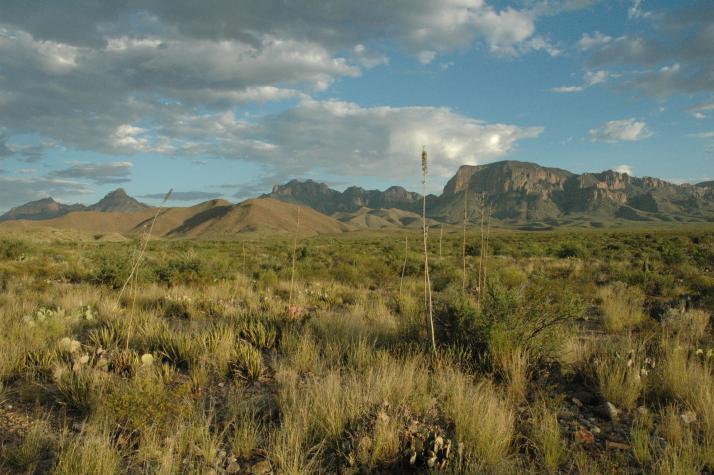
571,250
533,317
12,249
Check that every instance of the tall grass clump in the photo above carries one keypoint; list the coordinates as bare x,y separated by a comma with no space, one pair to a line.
483,421
620,372
547,437
91,452
621,306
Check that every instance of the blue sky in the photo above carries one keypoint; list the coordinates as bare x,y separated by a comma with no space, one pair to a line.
228,98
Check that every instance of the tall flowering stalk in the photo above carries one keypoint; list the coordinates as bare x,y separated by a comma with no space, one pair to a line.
427,280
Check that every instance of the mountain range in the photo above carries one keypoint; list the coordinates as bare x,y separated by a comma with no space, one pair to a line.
513,194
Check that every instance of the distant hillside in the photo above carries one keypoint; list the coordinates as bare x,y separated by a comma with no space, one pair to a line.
46,208
519,193
257,216
326,200
215,219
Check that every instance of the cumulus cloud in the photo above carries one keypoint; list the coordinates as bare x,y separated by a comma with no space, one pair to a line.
701,110
101,76
626,130
623,169
184,196
590,79
346,139
98,173
672,57
597,39
703,135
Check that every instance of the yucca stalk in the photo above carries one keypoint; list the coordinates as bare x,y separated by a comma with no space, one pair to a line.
404,266
292,273
142,247
485,251
138,256
427,280
463,250
479,288
441,238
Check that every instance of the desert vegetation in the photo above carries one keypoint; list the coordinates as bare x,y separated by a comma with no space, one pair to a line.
574,352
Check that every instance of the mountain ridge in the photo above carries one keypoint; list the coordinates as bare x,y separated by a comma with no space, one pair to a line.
512,193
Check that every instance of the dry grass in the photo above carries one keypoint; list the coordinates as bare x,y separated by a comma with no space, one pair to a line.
484,421
620,372
547,437
621,307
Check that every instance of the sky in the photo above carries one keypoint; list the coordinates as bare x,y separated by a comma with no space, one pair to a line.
225,98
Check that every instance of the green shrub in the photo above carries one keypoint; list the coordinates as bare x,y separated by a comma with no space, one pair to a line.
13,249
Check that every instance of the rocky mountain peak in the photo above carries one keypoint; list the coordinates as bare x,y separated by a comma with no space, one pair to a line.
118,201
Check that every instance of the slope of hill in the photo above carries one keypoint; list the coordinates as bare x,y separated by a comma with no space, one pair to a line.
46,208
257,216
381,218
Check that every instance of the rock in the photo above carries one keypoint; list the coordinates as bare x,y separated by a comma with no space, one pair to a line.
596,430
689,417
577,402
611,411
233,467
261,468
616,445
584,436
586,397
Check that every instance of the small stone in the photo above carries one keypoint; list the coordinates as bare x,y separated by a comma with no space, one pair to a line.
595,430
577,402
261,468
689,417
611,411
616,445
585,436
233,467
84,359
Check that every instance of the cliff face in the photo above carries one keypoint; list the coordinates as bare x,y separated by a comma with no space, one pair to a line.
521,192
324,199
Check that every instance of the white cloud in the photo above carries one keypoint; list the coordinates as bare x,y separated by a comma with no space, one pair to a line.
345,139
590,79
626,130
426,57
99,173
636,12
703,135
595,40
700,111
623,169
567,89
